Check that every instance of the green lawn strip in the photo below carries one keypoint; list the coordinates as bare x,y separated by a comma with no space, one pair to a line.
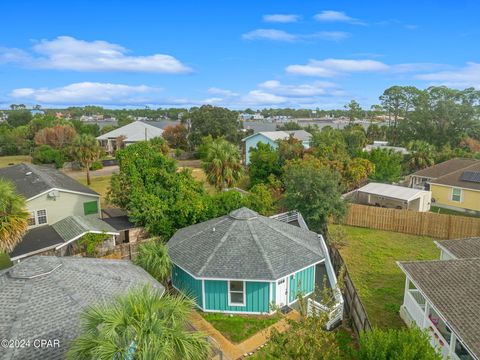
14,159
439,210
100,184
240,327
371,257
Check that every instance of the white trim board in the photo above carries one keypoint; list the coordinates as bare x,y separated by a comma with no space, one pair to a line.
63,190
244,292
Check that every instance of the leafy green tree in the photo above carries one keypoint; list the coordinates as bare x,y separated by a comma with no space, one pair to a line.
388,165
153,257
422,155
314,190
355,139
13,216
142,324
176,136
222,164
354,110
290,149
330,144
264,161
396,344
17,118
260,199
154,193
215,121
86,150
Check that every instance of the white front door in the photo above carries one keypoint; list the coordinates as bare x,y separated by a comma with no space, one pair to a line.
282,292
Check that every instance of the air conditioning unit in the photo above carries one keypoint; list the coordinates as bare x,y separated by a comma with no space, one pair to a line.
53,194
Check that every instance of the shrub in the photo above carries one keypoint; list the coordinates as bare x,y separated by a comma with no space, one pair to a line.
396,344
153,257
96,165
5,261
46,155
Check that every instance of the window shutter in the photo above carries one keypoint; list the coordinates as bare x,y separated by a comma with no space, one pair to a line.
90,207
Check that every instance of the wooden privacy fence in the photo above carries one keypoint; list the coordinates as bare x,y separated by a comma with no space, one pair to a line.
439,226
353,306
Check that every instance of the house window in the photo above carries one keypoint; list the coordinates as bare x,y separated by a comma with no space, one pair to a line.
41,217
31,219
456,194
37,217
236,293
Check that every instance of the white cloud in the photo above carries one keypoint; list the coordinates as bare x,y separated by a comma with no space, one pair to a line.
336,16
269,34
314,89
280,35
333,67
259,97
221,92
281,18
68,53
467,76
88,93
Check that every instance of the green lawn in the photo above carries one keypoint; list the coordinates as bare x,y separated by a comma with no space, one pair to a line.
439,210
100,184
14,159
371,257
240,327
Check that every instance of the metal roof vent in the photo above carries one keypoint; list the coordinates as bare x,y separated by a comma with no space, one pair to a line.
28,173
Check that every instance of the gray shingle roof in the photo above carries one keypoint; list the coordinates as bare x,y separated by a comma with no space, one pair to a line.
455,178
40,179
74,226
445,168
36,239
244,245
453,287
462,248
43,296
134,131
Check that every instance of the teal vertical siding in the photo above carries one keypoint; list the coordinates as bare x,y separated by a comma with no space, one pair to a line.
257,297
301,282
273,292
187,284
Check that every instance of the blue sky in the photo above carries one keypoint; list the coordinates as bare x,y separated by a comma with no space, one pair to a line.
232,53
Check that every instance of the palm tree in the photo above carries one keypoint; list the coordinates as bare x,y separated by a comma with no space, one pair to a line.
222,164
422,155
142,324
86,150
13,216
153,257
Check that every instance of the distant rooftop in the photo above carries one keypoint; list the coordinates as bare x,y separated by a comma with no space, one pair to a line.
133,132
444,168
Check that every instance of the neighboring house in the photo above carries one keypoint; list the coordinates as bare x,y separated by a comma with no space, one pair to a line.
61,209
443,297
128,231
129,134
43,297
393,196
271,137
245,263
384,145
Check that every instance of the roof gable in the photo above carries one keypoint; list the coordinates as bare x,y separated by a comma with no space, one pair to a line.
135,131
457,178
445,168
31,180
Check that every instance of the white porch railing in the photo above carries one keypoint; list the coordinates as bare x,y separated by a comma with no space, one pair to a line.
291,216
335,314
415,309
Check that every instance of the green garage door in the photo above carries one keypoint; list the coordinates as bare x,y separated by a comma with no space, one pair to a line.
90,207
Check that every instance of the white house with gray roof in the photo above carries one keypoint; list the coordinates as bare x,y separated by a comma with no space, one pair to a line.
247,263
443,297
43,297
61,209
129,134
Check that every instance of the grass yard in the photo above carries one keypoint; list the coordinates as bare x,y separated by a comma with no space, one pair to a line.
371,257
100,184
14,159
238,328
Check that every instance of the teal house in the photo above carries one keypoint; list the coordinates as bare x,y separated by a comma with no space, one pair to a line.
244,262
271,138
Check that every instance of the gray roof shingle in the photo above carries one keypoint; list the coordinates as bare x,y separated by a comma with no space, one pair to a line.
36,239
453,287
445,168
244,245
462,248
43,296
40,179
74,226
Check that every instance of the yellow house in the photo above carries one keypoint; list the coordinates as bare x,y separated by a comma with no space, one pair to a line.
458,190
